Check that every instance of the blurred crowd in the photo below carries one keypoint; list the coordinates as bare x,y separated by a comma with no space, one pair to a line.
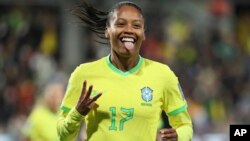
206,43
29,60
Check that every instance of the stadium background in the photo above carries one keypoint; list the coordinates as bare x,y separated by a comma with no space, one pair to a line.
206,42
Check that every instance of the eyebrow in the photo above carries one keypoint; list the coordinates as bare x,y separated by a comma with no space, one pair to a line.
134,20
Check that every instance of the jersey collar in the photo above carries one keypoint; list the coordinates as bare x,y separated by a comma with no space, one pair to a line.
112,67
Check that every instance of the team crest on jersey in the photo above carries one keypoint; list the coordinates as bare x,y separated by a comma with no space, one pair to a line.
147,94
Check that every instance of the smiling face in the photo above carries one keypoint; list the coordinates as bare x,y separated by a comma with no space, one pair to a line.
126,31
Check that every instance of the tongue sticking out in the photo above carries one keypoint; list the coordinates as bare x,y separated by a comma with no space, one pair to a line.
129,45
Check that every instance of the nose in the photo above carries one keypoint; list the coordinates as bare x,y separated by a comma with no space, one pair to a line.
128,29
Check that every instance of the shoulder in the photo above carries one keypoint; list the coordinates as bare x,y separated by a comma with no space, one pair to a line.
89,66
160,71
155,67
37,111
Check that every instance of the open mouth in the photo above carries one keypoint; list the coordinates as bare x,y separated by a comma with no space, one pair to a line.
128,42
128,39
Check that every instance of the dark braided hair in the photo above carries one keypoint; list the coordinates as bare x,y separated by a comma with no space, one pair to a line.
96,20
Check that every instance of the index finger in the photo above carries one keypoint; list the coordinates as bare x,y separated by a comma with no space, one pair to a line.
88,92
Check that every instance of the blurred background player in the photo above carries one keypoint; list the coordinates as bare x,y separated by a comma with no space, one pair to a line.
41,123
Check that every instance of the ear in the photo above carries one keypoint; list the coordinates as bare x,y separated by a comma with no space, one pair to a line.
107,33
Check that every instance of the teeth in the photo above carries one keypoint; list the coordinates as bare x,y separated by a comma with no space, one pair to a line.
126,39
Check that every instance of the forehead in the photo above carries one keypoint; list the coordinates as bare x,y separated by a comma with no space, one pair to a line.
127,11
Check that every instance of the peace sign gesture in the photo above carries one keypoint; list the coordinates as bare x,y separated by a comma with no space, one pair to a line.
85,103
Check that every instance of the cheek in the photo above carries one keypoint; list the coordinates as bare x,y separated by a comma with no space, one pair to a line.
113,35
143,35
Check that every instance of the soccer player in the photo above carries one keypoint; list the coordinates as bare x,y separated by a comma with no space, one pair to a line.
120,97
41,122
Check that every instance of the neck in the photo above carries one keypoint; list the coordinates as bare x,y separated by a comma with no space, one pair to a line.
124,63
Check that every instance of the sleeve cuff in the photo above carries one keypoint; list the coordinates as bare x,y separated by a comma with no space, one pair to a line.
75,115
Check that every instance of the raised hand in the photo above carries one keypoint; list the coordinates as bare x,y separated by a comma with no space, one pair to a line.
85,103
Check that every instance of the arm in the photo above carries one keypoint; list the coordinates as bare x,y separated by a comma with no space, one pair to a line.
175,107
181,128
69,124
183,125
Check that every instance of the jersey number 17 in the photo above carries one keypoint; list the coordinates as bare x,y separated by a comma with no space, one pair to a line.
129,112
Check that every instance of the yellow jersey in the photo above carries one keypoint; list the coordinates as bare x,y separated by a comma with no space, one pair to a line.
41,125
131,103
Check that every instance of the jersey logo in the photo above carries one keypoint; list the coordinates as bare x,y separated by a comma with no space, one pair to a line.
146,94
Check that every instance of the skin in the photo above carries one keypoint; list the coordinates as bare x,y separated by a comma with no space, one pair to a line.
85,103
126,21
167,134
53,96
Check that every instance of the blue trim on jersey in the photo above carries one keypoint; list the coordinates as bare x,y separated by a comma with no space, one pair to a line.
121,72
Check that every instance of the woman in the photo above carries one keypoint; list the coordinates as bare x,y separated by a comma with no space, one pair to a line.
129,92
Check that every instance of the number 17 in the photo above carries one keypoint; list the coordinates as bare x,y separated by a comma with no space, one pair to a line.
129,112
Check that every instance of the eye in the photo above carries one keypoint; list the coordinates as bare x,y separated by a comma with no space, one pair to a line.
120,24
137,26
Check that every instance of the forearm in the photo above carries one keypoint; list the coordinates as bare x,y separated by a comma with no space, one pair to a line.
69,125
184,133
183,125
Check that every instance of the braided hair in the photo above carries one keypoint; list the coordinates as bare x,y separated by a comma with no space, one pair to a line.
96,20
